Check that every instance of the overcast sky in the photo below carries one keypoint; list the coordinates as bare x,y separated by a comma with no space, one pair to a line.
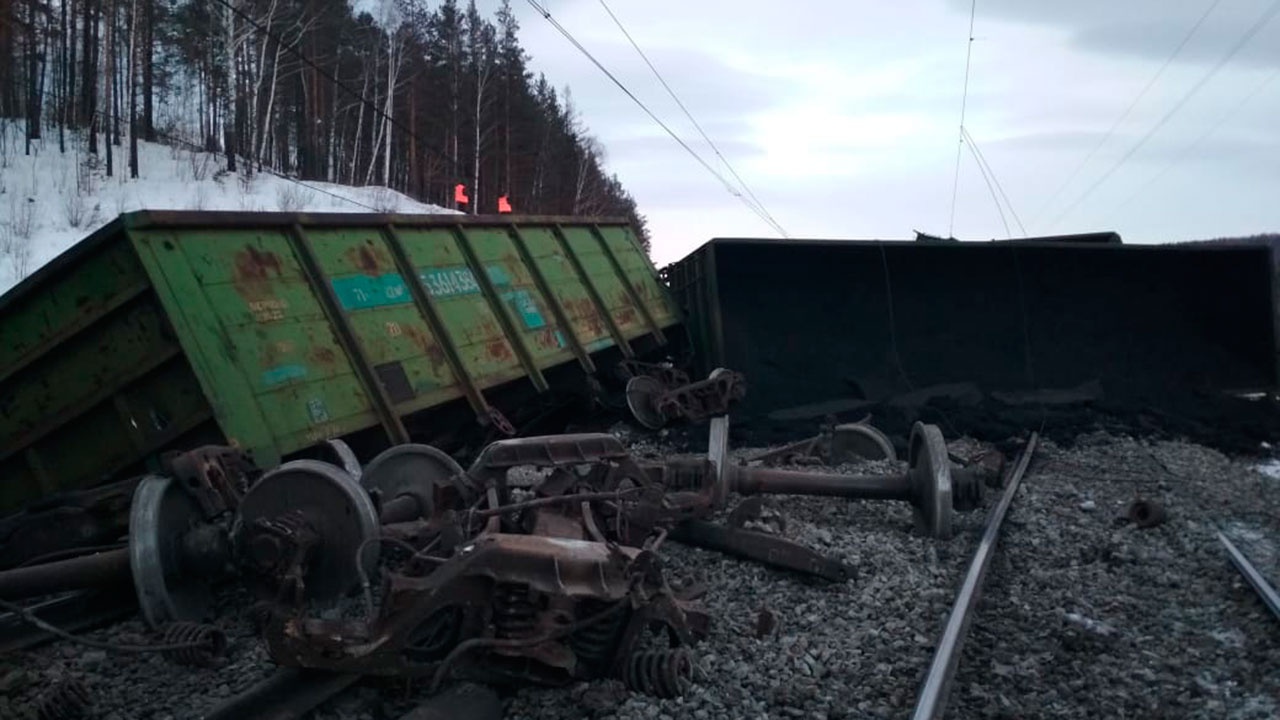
842,115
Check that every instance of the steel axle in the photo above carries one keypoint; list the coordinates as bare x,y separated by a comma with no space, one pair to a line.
929,484
172,557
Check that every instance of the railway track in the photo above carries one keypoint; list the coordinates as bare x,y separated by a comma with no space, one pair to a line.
293,694
932,699
1090,609
1266,592
287,694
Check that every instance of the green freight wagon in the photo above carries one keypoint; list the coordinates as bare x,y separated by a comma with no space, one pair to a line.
273,332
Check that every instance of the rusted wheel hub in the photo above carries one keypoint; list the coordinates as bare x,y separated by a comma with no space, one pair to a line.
316,517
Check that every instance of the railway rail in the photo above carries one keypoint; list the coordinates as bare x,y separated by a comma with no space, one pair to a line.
932,699
293,693
287,694
1256,579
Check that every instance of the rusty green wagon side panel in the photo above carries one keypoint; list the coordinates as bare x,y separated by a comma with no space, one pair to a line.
276,331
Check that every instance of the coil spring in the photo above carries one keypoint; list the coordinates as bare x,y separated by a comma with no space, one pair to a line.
205,644
966,490
661,673
687,474
67,700
514,613
436,636
259,614
594,644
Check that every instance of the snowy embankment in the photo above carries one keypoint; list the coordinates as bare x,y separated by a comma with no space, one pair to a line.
50,200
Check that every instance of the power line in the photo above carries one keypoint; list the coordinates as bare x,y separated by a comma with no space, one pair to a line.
1125,115
732,191
1190,147
964,100
990,188
689,115
1249,34
982,163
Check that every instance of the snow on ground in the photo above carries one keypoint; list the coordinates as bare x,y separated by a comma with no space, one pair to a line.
50,200
1270,468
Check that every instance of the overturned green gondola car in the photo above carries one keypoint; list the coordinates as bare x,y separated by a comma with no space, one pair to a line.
274,332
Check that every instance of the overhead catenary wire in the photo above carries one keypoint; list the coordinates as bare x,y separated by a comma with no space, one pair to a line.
1127,111
1262,21
990,188
692,120
964,101
546,15
987,170
1194,144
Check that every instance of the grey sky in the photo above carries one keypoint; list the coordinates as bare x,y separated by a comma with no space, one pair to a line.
842,116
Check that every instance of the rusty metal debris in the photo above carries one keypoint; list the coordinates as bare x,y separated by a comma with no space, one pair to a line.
655,404
800,452
214,476
175,553
557,580
94,570
662,673
766,623
665,373
74,612
346,457
177,539
851,441
171,554
66,523
761,547
758,512
1145,513
67,699
299,529
407,482
837,444
197,644
540,563
545,590
930,484
183,643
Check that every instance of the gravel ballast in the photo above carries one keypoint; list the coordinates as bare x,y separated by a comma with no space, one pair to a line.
123,686
1087,616
1083,615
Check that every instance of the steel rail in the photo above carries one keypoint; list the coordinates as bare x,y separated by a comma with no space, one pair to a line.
1255,579
931,701
288,694
82,611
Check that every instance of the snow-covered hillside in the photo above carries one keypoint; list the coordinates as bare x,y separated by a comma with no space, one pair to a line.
50,200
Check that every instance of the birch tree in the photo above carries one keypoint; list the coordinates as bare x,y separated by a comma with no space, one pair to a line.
481,56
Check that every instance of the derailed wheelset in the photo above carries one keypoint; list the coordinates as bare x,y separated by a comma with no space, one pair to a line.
540,563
